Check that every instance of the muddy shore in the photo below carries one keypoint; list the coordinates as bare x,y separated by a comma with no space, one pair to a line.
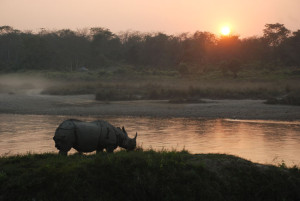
32,103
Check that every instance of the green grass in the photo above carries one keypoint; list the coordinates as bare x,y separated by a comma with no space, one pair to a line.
144,175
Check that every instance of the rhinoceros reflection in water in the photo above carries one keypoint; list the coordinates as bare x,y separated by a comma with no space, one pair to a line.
91,136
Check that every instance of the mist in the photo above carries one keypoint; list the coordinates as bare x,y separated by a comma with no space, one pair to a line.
23,84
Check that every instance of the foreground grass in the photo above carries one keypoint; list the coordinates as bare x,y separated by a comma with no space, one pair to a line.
144,175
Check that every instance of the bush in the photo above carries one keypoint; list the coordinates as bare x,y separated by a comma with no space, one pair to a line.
183,69
289,99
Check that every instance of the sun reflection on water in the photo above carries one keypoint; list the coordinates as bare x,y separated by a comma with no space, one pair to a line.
256,140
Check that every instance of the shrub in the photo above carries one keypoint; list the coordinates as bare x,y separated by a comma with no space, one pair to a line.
289,99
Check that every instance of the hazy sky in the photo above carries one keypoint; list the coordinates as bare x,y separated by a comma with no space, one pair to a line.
247,18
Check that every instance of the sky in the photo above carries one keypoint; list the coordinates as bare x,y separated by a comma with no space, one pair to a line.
246,18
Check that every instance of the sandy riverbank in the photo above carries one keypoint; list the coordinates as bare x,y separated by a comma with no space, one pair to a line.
33,103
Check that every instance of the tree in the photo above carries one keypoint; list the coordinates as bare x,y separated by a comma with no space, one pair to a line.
253,50
8,30
132,42
10,48
105,46
155,51
275,34
292,49
228,48
233,65
196,48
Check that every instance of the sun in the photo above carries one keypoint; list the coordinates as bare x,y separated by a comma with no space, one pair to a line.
225,31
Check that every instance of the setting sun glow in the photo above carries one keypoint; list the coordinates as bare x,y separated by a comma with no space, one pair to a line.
225,31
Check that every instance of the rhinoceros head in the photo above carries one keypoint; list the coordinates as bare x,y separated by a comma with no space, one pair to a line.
60,143
129,143
64,139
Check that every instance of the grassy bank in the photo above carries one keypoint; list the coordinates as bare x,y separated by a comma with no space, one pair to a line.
144,175
157,85
213,86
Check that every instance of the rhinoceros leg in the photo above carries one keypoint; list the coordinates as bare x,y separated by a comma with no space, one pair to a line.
64,153
110,149
99,150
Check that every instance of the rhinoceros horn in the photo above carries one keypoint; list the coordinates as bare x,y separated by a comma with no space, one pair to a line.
135,136
124,131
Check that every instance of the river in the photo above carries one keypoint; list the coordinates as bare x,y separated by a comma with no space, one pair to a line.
271,142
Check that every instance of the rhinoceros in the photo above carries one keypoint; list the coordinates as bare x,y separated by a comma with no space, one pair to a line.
91,136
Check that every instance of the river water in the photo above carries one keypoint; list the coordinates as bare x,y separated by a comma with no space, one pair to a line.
271,142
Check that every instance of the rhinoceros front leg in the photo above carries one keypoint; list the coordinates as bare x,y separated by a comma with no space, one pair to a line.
110,149
64,153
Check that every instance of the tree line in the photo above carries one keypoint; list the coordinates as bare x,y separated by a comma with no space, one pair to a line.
98,48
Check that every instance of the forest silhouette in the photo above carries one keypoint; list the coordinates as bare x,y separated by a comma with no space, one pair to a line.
98,48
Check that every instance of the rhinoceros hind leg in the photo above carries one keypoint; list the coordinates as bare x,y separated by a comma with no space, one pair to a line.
64,153
99,151
110,149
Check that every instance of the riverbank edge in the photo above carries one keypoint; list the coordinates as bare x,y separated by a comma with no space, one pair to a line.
86,105
144,175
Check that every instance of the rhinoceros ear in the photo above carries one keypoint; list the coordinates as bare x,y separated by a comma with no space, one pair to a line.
123,129
135,136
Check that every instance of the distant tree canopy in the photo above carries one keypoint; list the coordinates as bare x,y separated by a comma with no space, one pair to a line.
99,48
275,34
